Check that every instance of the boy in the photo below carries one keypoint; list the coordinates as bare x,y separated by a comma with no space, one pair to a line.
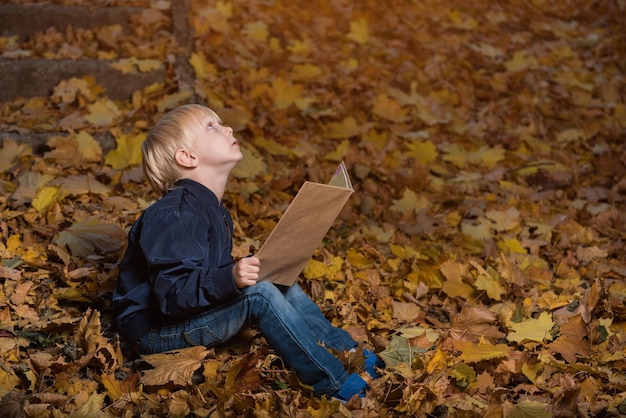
178,285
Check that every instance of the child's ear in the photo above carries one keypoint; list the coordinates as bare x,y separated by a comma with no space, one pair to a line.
186,158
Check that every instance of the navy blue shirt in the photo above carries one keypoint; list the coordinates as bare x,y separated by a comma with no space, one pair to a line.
178,261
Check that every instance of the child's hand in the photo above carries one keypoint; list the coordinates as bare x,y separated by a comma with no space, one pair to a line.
246,271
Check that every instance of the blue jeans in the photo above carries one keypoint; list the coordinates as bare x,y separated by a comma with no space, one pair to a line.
288,319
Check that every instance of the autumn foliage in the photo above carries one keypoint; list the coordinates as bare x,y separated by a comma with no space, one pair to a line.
482,254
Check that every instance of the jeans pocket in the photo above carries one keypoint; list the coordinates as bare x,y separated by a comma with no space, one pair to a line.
202,336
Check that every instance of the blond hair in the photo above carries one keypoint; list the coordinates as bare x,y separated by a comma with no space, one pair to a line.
167,136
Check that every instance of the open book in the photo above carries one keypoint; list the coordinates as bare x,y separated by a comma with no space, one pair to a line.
302,227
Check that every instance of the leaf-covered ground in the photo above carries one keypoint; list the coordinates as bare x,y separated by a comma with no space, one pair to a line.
482,253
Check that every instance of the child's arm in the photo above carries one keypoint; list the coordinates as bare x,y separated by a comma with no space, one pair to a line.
186,273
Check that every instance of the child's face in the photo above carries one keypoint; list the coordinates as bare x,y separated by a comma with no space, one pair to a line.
214,143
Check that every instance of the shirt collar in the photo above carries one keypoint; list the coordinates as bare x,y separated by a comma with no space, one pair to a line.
199,191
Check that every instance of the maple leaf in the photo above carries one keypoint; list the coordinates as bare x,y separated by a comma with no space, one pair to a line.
203,69
423,151
405,312
285,93
11,151
116,388
359,31
454,285
474,353
242,373
473,323
102,113
79,185
176,366
389,109
537,330
91,237
127,153
400,351
527,409
410,202
45,197
344,129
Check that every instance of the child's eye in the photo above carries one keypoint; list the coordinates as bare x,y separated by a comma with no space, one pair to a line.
210,125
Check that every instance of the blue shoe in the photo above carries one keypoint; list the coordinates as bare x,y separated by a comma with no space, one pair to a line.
372,363
354,386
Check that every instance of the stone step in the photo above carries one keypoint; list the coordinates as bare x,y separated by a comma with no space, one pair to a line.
24,20
28,74
34,76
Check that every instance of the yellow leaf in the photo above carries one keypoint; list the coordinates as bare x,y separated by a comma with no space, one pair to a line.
11,151
437,362
93,408
339,153
284,92
570,135
473,353
487,157
250,166
203,69
490,285
410,202
464,375
125,66
424,152
454,285
344,129
389,109
272,147
455,154
256,30
225,8
102,113
147,65
127,153
174,100
320,269
45,197
358,259
536,330
481,231
512,245
359,31
521,61
8,380
504,220
461,21
69,90
88,147
300,47
306,71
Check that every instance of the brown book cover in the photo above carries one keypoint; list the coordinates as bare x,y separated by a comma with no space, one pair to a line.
302,227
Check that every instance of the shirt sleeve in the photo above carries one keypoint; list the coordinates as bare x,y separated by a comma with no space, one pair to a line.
183,277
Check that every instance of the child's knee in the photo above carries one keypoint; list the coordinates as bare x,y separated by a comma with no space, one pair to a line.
265,288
